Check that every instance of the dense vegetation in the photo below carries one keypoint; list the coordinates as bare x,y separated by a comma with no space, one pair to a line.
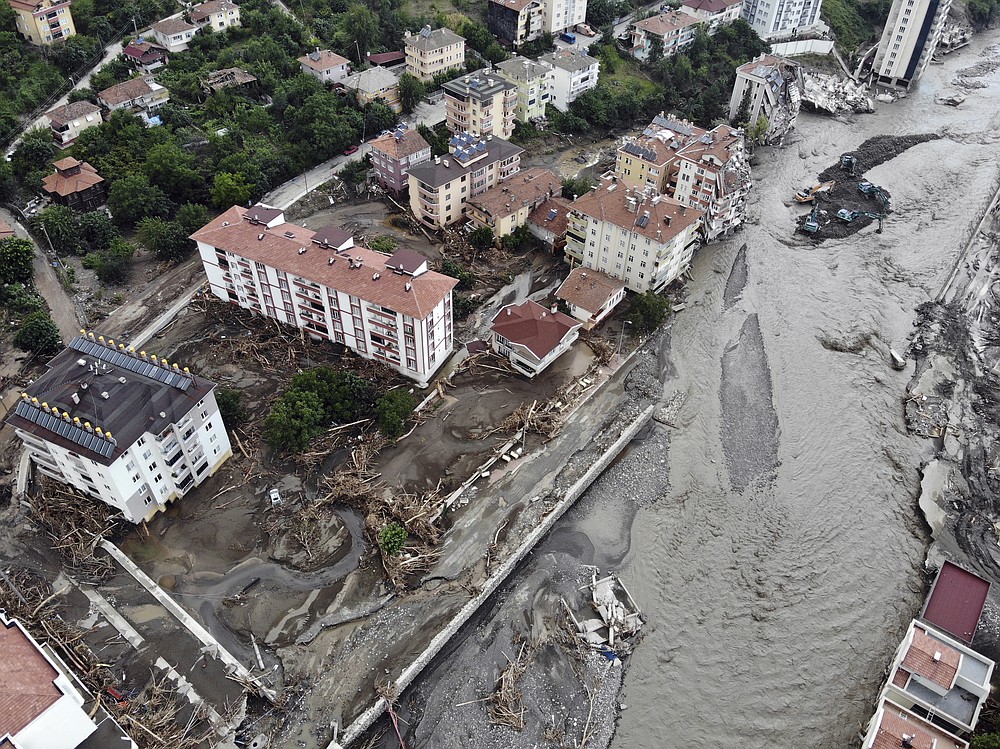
857,22
21,308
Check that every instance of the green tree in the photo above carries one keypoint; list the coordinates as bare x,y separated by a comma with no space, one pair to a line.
97,230
383,244
231,407
481,238
437,138
294,421
172,169
358,33
231,189
38,334
33,157
113,266
117,70
16,258
393,408
392,539
133,198
19,299
378,117
757,133
742,116
574,187
61,226
655,48
75,52
344,396
648,311
167,239
411,92
192,216
466,278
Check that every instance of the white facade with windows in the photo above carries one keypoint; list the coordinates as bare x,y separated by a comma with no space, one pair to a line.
776,18
562,15
572,74
911,35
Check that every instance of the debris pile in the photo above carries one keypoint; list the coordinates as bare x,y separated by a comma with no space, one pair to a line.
834,94
620,619
505,706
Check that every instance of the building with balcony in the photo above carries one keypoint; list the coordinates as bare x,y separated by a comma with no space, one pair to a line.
173,34
140,96
515,22
673,30
911,36
122,426
394,153
590,295
145,56
772,89
548,223
43,22
532,80
75,184
431,52
771,19
647,242
375,84
325,66
441,187
482,103
894,726
563,15
388,308
713,13
506,206
531,337
572,73
68,121
217,14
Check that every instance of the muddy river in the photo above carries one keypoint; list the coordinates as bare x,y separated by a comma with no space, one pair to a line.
772,535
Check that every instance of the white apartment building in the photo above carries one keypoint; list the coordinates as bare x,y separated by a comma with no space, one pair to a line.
647,242
219,14
715,13
440,188
572,74
777,18
69,120
911,35
125,427
894,726
674,29
431,52
532,81
482,103
325,66
388,308
562,15
173,34
772,86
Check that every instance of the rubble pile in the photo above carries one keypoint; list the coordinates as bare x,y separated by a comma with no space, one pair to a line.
835,94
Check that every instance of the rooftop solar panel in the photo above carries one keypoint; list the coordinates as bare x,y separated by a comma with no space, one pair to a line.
123,360
67,429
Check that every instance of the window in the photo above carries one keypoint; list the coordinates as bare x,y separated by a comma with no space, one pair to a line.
158,477
141,441
152,466
130,465
146,454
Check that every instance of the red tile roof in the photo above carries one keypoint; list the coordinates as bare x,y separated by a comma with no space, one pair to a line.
322,59
525,188
667,216
408,143
121,92
233,232
26,680
387,58
203,11
589,289
172,26
542,216
956,601
67,184
69,112
919,659
534,327
895,723
666,23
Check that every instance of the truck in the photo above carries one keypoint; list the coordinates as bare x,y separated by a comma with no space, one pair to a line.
568,37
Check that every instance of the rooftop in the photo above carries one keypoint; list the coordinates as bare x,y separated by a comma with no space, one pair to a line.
892,724
127,91
69,112
387,58
427,40
568,59
516,5
27,687
666,23
552,215
762,66
521,69
588,289
483,84
71,176
400,143
143,50
323,59
372,80
956,601
203,11
172,26
468,155
526,188
228,77
532,326
358,271
711,6
658,218
98,397
331,236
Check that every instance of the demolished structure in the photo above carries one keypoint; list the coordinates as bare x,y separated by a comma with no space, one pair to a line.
834,94
770,87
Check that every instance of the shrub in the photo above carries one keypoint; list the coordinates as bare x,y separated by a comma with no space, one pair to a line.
383,244
392,539
648,311
38,334
466,278
231,406
393,408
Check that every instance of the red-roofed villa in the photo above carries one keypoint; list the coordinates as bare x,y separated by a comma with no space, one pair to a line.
532,337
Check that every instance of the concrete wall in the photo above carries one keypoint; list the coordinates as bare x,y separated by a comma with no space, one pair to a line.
802,47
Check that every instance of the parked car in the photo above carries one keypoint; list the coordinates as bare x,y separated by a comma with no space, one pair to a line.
350,149
275,496
568,38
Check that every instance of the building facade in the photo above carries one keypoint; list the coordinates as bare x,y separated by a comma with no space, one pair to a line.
122,426
895,726
145,56
388,308
217,14
393,154
375,84
532,80
325,66
68,121
772,88
572,74
713,13
431,52
43,22
672,31
514,22
482,103
563,15
590,295
531,337
140,96
645,242
441,187
173,34
75,184
911,36
781,18
506,206
548,223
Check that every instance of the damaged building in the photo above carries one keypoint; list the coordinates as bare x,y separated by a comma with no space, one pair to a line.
772,88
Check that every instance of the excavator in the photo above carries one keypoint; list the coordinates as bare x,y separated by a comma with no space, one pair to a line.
849,163
808,194
877,192
848,216
811,224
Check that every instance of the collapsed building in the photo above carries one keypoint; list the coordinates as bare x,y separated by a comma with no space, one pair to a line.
770,87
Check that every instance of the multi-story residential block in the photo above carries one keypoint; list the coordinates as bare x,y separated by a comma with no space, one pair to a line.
506,206
772,89
572,73
173,34
563,15
515,22
911,36
714,13
122,426
673,31
482,103
779,19
218,14
374,84
532,80
43,21
704,169
440,188
68,121
75,184
548,222
894,726
389,308
647,242
531,337
140,96
325,66
431,52
144,55
590,295
393,154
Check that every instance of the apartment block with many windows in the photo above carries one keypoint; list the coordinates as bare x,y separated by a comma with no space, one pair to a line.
572,73
43,22
394,153
482,103
389,308
911,35
515,22
781,18
533,81
431,52
122,426
674,31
